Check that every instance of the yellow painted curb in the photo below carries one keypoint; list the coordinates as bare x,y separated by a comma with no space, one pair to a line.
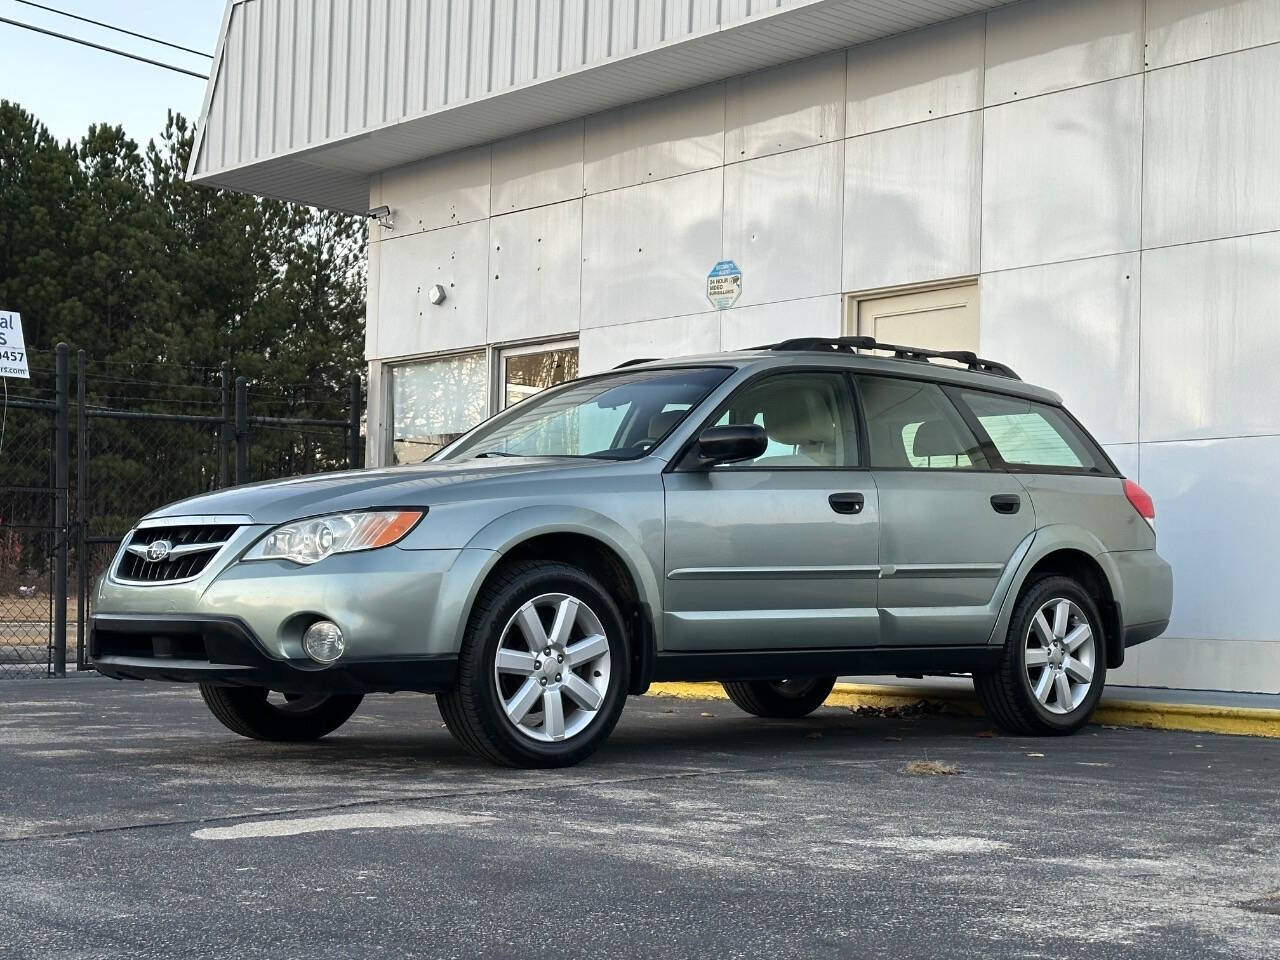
1243,721
1196,718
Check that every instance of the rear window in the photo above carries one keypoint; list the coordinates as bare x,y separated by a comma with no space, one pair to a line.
1031,434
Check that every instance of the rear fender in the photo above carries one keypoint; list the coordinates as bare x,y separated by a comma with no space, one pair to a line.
1047,540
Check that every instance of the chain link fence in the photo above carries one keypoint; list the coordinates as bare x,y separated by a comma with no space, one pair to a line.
77,469
27,535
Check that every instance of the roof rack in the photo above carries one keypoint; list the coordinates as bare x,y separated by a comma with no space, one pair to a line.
900,352
632,363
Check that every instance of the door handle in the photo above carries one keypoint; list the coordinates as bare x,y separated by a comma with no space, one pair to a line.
846,502
1006,503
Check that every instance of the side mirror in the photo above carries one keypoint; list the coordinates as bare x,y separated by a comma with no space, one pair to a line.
731,444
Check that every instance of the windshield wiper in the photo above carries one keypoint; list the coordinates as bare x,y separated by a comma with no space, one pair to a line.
495,453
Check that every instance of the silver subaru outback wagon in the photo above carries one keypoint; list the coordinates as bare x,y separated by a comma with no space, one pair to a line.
771,519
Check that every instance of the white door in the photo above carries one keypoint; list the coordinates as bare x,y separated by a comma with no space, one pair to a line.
944,319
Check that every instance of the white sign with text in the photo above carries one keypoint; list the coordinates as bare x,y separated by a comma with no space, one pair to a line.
13,348
724,284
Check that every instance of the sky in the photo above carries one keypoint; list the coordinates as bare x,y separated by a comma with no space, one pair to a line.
68,86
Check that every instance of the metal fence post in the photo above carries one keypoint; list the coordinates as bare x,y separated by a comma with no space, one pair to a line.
62,454
242,430
224,429
82,510
354,459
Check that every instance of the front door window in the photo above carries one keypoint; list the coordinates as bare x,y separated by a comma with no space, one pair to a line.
807,417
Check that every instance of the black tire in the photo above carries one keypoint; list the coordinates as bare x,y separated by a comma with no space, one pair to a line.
248,712
1006,692
785,699
473,710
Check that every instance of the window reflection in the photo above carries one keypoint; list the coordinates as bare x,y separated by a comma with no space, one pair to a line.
527,373
433,402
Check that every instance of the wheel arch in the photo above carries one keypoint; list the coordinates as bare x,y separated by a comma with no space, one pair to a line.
596,544
1077,554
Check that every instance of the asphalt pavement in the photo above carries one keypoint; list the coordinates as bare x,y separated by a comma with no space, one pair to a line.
133,825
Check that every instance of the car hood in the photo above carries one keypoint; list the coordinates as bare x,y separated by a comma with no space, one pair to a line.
277,501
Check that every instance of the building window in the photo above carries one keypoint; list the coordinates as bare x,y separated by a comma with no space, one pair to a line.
524,371
433,402
437,399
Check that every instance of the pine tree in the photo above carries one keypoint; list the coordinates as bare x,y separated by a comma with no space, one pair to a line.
106,246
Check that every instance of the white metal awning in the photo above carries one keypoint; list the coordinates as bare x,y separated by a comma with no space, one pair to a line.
308,98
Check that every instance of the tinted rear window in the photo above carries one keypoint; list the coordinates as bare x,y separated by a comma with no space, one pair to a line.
1031,434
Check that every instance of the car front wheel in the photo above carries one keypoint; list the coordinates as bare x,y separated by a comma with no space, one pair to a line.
542,673
259,714
1054,665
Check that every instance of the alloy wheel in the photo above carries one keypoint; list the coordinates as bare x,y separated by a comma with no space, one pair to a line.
552,667
1059,655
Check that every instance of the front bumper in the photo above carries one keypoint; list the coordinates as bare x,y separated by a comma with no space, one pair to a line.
223,649
390,603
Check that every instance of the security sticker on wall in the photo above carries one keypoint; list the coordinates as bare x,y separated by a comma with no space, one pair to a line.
724,284
13,349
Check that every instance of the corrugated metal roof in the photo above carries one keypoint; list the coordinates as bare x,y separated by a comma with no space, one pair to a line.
308,98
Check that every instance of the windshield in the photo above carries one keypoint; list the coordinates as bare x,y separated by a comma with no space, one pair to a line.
619,416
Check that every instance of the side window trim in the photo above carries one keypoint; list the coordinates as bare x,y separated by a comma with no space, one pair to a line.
681,462
1094,446
860,419
996,463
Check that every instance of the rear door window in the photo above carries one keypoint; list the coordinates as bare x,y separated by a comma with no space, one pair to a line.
912,425
1030,434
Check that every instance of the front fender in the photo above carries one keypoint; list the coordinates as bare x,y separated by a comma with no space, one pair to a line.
1047,540
493,541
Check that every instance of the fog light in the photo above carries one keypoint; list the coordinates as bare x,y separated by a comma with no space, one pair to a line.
323,641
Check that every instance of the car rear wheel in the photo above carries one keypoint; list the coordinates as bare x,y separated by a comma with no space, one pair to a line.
542,674
786,698
259,714
1054,665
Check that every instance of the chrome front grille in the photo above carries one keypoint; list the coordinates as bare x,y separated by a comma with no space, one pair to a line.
164,554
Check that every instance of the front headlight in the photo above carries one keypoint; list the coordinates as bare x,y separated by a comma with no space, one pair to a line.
306,541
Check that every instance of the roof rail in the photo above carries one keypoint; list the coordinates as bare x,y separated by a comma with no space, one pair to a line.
900,352
632,363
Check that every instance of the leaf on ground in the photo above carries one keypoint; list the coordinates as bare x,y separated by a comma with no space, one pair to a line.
813,735
930,768
905,711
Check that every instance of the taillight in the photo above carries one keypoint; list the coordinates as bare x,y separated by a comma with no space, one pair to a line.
1141,501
